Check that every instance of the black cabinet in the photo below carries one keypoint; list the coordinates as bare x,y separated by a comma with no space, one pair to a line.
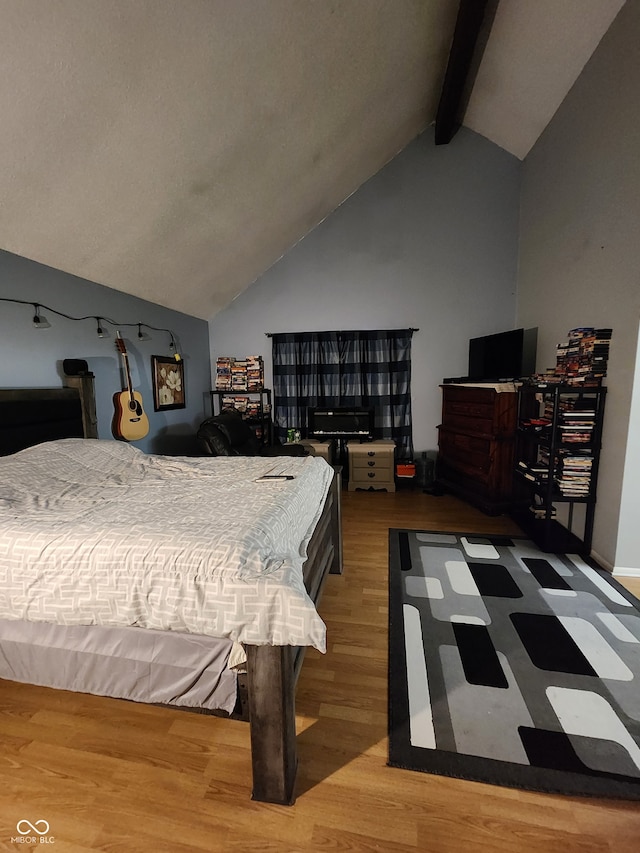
558,442
254,406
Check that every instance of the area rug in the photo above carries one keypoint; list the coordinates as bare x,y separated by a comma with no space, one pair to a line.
512,666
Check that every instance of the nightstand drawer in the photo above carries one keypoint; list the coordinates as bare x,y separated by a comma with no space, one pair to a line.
372,450
382,452
376,462
362,475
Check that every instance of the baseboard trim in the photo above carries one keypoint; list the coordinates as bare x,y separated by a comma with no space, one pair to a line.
616,571
622,572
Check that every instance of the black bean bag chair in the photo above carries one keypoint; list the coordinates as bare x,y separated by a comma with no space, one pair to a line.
228,434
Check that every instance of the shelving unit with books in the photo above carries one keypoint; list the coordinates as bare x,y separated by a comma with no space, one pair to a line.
558,442
254,406
239,385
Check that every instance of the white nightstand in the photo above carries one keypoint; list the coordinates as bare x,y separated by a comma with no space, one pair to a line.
371,465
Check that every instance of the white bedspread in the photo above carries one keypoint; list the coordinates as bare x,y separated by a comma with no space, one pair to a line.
99,533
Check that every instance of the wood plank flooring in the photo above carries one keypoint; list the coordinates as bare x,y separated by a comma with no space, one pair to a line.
115,776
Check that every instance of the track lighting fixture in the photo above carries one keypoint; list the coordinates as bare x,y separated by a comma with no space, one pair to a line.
101,331
39,320
142,336
174,348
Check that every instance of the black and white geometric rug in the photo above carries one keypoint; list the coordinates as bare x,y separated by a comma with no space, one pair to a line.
512,666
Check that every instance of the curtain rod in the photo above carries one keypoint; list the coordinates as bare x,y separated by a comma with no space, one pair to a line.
335,331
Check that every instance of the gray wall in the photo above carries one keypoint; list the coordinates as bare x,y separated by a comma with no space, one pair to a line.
33,358
429,242
579,262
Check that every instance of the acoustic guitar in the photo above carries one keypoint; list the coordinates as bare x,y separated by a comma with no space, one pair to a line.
130,422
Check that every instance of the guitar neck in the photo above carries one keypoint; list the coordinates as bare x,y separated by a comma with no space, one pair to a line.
125,358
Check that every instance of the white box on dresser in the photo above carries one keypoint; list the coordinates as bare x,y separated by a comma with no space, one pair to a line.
371,465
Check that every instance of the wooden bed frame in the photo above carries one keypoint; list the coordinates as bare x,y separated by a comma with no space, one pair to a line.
267,691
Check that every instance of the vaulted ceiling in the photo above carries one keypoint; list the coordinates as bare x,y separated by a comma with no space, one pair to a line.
175,149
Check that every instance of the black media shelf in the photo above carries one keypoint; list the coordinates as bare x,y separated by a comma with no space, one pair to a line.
245,402
550,535
567,470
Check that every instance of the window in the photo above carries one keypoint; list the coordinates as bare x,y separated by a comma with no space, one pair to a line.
357,368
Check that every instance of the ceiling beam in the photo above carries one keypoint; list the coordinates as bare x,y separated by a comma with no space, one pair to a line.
473,26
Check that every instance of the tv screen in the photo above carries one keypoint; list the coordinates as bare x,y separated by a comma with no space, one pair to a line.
340,422
505,355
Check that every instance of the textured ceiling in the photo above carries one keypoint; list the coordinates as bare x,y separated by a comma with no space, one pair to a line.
175,149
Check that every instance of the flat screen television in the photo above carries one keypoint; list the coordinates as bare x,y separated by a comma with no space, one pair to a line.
340,422
503,356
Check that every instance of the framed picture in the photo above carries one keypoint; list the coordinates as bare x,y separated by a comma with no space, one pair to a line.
167,376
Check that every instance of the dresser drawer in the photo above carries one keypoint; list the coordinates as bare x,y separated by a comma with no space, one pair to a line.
466,452
379,475
373,454
479,410
468,409
468,395
468,423
371,451
377,462
368,479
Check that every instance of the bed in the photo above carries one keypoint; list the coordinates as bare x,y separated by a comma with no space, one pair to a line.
185,582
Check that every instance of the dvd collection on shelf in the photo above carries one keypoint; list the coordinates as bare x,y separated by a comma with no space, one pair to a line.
558,449
575,423
245,405
234,374
581,360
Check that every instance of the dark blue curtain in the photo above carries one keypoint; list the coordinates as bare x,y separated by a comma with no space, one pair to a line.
358,368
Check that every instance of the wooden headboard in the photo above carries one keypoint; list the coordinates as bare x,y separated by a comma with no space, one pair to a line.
29,416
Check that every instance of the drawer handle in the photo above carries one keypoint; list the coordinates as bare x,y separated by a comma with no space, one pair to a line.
371,453
371,473
371,464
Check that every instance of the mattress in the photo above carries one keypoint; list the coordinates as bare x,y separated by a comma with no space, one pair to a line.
99,533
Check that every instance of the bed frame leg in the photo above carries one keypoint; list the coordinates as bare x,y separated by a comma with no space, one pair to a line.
273,723
336,521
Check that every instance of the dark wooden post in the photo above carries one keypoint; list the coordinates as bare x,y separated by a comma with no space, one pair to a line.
272,719
336,521
85,385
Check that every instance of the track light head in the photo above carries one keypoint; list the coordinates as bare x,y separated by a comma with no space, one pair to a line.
173,346
142,336
100,329
39,320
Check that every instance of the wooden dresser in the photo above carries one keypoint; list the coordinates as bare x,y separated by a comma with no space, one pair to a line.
476,445
371,465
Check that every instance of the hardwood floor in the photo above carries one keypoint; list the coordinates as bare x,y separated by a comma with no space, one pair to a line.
115,776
